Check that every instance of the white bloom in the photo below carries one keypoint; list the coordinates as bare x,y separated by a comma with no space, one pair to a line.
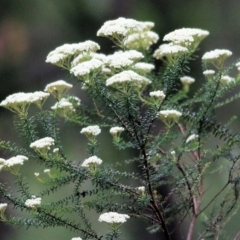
208,73
217,56
187,80
36,174
63,105
159,94
226,79
19,102
32,203
141,40
141,189
2,163
46,170
169,114
122,27
169,51
77,238
127,77
55,150
186,36
91,130
191,137
62,55
57,88
123,59
43,143
113,217
173,153
94,160
3,207
143,67
116,130
15,161
86,67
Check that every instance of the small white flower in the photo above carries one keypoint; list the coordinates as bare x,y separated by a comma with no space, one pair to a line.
3,207
169,51
63,106
94,160
33,203
2,163
217,56
85,68
36,174
91,130
226,79
127,77
169,114
55,150
208,73
46,170
187,80
57,88
142,67
77,238
191,137
116,130
113,217
158,94
141,189
43,143
186,37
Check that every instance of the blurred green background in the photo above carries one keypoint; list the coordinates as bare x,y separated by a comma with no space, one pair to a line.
30,29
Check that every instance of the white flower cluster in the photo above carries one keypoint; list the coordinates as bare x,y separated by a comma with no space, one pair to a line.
181,40
123,27
3,207
122,59
169,51
208,73
116,130
187,80
191,138
141,189
77,238
158,94
19,102
12,164
186,37
238,66
217,56
57,88
63,55
226,79
142,67
113,217
33,203
91,130
86,67
127,77
63,107
43,143
169,114
93,160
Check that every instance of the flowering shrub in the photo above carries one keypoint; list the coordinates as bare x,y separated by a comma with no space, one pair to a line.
176,138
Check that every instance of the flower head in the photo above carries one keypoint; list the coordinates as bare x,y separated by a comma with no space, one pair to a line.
217,57
158,94
20,102
191,138
169,116
127,77
187,80
142,67
3,207
113,217
186,37
33,203
116,130
226,79
91,161
77,238
169,51
91,132
42,145
57,88
208,73
63,107
63,55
